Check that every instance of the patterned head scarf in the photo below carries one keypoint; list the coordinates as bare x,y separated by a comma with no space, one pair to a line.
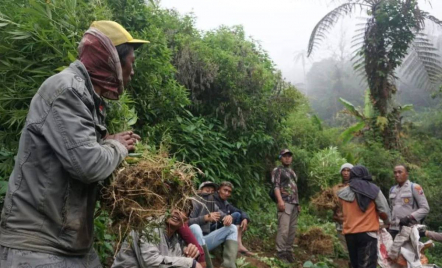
100,57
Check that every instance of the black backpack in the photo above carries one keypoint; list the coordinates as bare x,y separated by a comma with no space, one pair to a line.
272,195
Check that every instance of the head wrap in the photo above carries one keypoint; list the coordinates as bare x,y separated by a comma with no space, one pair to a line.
100,57
346,165
361,184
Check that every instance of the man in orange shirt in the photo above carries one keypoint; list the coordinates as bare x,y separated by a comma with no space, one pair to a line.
362,205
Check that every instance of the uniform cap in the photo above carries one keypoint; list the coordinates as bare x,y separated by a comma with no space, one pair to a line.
285,151
116,33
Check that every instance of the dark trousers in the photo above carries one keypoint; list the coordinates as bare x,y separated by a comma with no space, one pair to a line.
393,233
363,250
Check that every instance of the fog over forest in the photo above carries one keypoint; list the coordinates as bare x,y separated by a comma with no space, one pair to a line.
283,28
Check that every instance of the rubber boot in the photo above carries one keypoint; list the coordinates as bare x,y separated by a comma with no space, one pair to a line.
207,257
229,254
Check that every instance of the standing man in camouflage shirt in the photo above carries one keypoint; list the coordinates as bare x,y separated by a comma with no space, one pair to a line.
284,180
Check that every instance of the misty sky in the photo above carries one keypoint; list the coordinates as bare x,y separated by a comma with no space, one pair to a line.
282,27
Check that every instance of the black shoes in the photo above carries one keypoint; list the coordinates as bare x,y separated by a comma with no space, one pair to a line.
286,257
290,258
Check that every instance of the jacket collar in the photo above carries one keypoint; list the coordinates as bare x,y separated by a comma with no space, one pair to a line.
80,70
406,183
218,198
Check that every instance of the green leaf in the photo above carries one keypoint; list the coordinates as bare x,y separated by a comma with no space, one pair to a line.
238,145
347,135
351,108
381,122
71,57
406,107
307,264
132,121
317,121
3,187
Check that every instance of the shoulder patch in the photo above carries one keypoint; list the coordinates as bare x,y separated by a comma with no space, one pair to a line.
418,189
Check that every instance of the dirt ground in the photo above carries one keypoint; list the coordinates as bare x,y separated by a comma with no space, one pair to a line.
302,254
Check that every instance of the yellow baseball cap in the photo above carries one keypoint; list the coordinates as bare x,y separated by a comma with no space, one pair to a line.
116,33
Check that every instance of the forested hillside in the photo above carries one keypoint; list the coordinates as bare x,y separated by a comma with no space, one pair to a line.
214,100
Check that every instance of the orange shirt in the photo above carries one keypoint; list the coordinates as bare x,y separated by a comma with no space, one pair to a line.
356,221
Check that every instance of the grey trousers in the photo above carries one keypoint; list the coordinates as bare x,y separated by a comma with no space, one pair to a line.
287,223
16,258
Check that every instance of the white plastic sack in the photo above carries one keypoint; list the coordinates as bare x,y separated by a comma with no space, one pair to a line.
385,241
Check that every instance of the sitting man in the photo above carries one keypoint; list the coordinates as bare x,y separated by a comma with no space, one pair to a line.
167,251
204,213
233,215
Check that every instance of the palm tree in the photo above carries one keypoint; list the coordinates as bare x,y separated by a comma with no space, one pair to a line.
392,31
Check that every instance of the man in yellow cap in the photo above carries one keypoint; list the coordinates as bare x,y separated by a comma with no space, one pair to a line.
65,150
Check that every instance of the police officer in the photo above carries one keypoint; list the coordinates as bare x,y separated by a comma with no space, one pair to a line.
407,201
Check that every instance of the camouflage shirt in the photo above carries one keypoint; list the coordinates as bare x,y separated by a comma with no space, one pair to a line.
284,178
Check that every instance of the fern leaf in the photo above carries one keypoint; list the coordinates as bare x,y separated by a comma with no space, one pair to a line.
328,21
423,64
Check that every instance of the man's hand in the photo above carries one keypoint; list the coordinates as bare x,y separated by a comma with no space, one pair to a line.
243,225
127,138
227,221
191,251
281,206
212,217
405,221
382,226
198,265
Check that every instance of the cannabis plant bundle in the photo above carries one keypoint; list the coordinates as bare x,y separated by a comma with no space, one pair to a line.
145,188
317,242
325,200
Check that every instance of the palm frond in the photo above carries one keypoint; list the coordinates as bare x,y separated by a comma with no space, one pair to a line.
358,41
422,66
432,18
328,21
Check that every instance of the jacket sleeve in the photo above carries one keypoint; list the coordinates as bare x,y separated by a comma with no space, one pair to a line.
195,217
422,203
221,213
435,236
152,257
70,131
188,237
383,208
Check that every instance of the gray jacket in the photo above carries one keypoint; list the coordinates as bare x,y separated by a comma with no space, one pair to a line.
202,205
137,252
52,190
407,200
